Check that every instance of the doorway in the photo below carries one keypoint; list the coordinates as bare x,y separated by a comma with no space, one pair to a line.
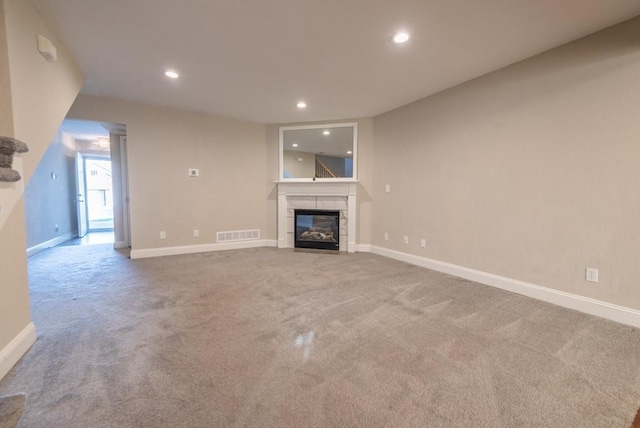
94,187
77,190
99,192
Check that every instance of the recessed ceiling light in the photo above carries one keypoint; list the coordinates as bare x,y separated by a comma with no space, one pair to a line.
400,37
171,74
349,152
294,145
326,132
301,104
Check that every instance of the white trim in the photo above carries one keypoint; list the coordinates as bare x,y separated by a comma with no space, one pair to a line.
118,245
587,305
317,180
271,243
51,243
363,248
204,248
19,346
351,218
124,190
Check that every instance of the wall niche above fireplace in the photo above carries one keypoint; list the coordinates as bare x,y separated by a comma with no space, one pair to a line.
319,152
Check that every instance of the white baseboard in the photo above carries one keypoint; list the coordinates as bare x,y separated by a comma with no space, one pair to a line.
12,353
587,305
50,243
189,249
363,248
120,244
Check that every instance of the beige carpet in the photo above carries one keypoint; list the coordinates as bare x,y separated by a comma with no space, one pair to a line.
11,408
277,338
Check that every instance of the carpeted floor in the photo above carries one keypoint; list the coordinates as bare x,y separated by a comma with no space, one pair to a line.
277,338
11,408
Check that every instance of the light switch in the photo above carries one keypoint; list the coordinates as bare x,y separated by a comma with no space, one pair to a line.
387,188
193,172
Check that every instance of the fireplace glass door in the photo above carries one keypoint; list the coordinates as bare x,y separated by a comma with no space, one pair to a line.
318,229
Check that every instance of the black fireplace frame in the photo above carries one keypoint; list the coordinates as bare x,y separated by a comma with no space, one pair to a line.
320,245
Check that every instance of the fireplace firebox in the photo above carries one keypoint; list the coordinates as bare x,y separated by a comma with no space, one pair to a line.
318,229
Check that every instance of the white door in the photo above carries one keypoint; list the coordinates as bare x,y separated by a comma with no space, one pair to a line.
82,193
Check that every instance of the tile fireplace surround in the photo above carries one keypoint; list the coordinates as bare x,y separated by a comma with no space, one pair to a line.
320,195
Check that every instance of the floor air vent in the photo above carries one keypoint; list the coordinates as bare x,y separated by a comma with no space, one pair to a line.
239,235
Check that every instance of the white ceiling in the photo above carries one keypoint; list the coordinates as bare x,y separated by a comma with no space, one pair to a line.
254,59
84,129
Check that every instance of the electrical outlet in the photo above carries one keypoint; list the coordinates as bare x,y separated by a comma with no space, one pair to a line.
196,233
591,275
193,172
386,236
405,240
423,243
163,234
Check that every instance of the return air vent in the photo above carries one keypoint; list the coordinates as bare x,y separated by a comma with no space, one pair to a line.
239,235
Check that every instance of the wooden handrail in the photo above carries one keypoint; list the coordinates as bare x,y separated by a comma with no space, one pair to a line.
322,171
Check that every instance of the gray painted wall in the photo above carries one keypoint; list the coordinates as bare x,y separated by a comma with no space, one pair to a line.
530,172
162,144
50,202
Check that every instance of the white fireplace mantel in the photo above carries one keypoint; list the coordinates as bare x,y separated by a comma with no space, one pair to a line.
323,194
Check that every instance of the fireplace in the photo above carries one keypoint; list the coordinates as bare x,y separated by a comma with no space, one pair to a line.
332,195
318,229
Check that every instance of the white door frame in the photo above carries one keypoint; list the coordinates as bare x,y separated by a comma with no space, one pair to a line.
90,157
81,196
124,180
